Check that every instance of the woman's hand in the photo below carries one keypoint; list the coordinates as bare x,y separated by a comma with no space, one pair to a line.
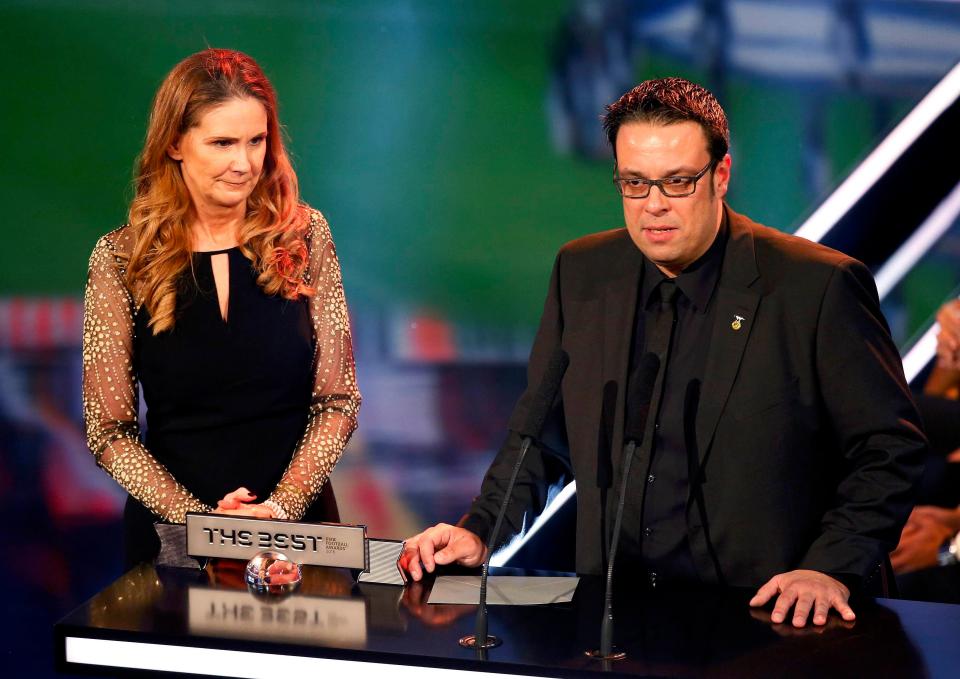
236,499
240,503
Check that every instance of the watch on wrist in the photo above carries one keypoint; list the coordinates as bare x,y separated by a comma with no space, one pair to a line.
949,553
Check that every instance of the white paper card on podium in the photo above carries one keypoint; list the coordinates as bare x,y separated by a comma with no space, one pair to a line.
503,590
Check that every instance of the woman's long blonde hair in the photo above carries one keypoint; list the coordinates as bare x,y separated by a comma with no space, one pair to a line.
273,234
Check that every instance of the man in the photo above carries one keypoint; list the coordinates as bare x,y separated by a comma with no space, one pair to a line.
786,443
930,537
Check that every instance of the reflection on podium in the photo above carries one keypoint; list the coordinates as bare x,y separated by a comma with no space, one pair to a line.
298,618
322,611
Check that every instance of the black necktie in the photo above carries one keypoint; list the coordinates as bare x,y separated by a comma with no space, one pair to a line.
657,341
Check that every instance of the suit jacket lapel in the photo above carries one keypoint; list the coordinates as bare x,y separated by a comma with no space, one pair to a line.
736,306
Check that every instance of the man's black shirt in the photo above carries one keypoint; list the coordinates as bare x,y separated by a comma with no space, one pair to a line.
654,526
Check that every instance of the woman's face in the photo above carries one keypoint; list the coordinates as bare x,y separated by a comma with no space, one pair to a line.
221,157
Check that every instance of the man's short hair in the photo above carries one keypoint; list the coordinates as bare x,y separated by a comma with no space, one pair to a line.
666,101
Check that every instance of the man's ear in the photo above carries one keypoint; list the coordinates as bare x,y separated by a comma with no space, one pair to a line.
721,175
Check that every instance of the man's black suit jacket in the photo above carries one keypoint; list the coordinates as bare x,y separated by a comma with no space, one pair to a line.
807,439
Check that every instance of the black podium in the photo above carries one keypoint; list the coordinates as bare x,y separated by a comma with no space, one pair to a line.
207,622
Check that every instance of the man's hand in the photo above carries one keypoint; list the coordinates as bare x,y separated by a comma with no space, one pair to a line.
240,503
804,591
948,339
926,530
441,545
791,632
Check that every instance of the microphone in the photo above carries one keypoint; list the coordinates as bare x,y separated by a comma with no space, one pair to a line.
529,430
607,413
639,397
604,457
546,393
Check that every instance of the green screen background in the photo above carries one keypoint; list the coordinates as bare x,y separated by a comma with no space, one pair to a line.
419,129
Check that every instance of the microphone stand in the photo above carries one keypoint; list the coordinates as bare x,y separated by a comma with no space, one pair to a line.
644,384
606,652
480,639
543,400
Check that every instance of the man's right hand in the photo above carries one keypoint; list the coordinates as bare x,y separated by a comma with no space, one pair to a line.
441,545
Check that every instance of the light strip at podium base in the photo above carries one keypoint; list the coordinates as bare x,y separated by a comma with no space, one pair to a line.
224,663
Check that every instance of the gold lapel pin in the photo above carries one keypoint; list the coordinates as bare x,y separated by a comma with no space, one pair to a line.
737,322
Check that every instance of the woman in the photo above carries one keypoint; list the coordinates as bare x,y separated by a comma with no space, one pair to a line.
222,298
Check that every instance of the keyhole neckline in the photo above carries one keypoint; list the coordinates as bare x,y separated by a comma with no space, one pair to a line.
216,252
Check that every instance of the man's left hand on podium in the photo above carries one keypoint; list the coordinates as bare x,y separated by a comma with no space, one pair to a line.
805,591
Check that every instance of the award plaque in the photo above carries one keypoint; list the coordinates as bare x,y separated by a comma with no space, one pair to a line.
242,537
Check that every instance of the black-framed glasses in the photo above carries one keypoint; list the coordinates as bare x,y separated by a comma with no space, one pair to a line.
677,186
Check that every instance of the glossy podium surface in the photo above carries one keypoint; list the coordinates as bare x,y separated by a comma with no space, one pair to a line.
207,622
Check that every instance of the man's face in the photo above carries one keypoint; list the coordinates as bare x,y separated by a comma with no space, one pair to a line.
671,232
